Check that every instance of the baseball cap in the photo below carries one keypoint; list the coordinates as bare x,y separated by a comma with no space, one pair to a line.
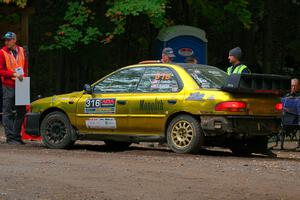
10,35
169,52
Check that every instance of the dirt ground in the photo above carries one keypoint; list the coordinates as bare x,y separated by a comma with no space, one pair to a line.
92,171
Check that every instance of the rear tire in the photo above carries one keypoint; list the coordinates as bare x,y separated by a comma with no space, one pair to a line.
57,131
184,134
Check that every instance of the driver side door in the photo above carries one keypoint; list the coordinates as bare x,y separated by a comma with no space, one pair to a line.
105,111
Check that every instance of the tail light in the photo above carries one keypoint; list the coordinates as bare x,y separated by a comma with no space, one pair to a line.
231,106
278,106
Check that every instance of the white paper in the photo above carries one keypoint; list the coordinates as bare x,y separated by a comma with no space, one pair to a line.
22,92
19,71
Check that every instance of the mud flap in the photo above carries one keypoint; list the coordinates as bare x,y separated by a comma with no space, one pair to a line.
32,126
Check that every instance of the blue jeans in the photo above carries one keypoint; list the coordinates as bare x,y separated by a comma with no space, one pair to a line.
12,122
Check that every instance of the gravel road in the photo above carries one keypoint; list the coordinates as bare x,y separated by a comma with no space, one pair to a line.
92,171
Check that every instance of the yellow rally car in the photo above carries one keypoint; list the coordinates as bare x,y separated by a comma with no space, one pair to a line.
182,104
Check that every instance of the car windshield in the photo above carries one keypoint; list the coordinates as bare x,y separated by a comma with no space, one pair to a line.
206,76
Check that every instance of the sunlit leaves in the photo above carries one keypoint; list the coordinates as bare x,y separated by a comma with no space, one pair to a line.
120,9
19,3
79,26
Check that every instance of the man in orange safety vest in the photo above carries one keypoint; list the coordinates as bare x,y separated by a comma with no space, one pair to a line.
13,65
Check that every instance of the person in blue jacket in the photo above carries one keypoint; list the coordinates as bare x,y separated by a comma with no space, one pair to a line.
295,88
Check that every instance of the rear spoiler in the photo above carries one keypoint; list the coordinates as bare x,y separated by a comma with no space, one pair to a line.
257,83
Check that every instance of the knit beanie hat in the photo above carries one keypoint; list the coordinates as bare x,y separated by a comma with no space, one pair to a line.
236,52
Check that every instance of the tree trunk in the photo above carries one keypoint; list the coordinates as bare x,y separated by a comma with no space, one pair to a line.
268,47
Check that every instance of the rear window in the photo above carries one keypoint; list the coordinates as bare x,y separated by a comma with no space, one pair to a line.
206,76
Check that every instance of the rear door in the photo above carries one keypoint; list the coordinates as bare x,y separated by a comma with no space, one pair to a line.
105,111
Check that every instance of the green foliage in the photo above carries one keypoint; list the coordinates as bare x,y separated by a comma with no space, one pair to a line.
77,29
77,13
239,9
90,35
79,19
120,10
19,3
10,18
213,10
220,11
80,29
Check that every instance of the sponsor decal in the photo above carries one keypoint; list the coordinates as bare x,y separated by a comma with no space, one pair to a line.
63,99
197,96
186,52
53,99
101,123
212,97
215,72
162,76
205,85
154,84
163,84
100,106
151,106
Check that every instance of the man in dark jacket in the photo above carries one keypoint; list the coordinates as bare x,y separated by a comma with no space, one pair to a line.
234,57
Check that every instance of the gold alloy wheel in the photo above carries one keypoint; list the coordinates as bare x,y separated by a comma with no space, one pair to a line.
182,134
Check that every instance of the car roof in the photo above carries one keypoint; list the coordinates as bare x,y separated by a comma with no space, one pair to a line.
190,65
173,65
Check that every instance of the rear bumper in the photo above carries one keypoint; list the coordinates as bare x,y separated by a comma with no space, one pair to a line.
32,126
246,125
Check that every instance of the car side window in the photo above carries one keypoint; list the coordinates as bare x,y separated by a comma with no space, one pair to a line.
158,79
122,81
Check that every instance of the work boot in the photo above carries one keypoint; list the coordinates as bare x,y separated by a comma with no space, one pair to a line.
22,142
14,142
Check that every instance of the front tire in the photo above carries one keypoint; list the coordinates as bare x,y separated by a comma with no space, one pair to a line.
184,134
57,131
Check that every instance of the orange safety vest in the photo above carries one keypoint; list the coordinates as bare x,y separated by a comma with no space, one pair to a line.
12,63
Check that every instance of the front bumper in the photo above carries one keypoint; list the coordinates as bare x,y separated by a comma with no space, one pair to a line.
32,126
247,125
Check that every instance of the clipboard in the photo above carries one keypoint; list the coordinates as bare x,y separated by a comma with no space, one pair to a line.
22,92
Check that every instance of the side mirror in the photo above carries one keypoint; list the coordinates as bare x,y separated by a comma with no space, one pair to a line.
87,89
